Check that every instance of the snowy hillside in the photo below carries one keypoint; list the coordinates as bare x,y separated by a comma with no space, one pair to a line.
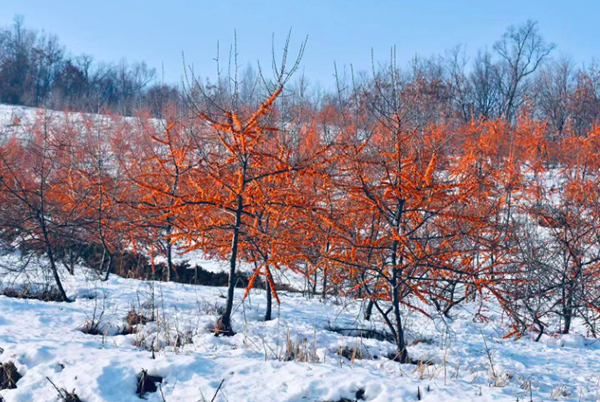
17,120
291,223
12,116
292,358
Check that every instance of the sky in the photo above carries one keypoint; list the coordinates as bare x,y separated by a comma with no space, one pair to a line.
340,31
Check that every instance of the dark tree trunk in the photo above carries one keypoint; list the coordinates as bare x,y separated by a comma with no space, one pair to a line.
324,290
223,325
567,314
169,230
71,263
169,260
567,326
567,304
402,355
59,285
268,312
369,310
110,264
52,260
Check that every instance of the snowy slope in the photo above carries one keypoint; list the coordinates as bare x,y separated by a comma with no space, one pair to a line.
15,120
43,339
472,360
13,117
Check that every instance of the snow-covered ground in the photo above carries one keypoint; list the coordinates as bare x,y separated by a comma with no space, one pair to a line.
17,120
472,360
11,115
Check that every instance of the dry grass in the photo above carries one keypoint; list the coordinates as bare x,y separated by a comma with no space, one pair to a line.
561,391
65,395
9,376
357,352
497,378
29,292
300,349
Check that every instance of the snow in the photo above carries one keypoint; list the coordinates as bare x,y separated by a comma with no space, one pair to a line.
16,120
44,339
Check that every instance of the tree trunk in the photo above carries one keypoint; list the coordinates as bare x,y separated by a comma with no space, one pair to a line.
324,290
268,312
61,290
402,355
110,265
567,326
567,314
223,325
51,259
169,260
170,228
369,310
72,259
567,303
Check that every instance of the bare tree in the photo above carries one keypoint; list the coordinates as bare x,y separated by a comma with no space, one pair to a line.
521,51
485,89
553,88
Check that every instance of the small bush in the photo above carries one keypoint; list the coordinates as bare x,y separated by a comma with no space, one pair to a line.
133,320
95,327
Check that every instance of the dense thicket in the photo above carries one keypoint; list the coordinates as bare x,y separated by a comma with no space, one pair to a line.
416,190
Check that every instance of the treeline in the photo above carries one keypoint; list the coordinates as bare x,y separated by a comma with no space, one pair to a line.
520,69
379,191
36,70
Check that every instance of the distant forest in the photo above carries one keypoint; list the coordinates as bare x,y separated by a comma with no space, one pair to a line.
519,71
37,70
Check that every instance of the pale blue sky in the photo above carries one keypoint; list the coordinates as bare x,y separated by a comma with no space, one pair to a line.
342,31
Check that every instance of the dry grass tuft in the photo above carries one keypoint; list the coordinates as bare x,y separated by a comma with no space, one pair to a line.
9,376
300,350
